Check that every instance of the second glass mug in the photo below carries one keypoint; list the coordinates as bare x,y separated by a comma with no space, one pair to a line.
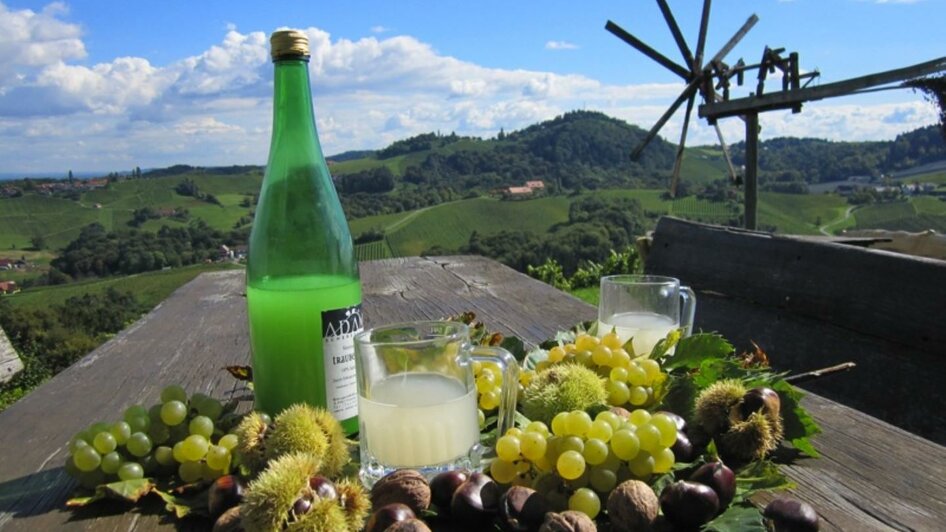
645,308
417,398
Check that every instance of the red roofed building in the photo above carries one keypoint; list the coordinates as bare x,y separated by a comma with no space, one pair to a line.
535,184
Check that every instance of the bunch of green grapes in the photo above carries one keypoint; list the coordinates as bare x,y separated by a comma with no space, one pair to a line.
489,383
630,380
176,436
581,460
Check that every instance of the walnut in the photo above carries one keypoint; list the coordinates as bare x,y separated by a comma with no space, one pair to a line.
569,521
229,521
632,505
405,486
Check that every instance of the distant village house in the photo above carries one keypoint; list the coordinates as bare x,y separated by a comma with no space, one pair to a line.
8,287
525,191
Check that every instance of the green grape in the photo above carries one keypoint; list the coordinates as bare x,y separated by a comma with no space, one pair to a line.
602,479
663,460
190,471
154,413
532,445
87,459
651,368
641,465
134,411
514,431
649,438
618,393
613,419
139,444
173,413
585,501
202,425
485,382
667,428
582,481
553,449
507,448
620,358
637,395
481,417
618,374
178,452
572,443
139,424
636,376
121,431
601,355
195,447
539,427
159,432
209,473
502,471
228,441
178,432
639,417
111,462
584,358
595,452
173,393
211,408
164,455
577,423
148,463
558,424
218,457
77,443
612,462
98,427
570,465
601,430
625,444
104,442
489,400
611,340
264,417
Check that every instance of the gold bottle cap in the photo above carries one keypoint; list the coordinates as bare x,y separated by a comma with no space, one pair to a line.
288,43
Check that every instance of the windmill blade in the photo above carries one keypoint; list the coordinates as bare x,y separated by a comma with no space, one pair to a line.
639,45
677,35
678,162
701,40
722,142
735,39
688,92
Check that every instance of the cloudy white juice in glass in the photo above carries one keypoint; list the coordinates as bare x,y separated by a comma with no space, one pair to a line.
417,401
644,309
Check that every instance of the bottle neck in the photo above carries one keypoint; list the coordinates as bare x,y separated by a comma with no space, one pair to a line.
293,118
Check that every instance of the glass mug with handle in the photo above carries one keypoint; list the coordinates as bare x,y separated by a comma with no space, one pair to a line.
417,398
644,308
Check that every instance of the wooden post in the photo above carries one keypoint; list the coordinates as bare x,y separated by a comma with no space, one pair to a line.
752,169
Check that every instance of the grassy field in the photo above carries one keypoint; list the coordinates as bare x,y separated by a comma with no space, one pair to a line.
373,251
149,288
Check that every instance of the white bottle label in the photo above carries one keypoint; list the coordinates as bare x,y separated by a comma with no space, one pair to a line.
338,344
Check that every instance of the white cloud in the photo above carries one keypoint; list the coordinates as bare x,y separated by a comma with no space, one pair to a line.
897,1
379,29
214,108
560,45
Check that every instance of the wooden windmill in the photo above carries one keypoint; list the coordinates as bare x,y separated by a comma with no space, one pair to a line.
712,79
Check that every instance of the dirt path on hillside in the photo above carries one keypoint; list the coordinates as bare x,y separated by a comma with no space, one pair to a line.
847,214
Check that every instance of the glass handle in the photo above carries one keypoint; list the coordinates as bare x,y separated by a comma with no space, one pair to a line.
687,309
507,404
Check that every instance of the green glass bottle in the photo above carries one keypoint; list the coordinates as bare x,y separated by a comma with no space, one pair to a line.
303,292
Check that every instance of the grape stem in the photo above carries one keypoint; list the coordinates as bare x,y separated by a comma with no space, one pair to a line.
815,374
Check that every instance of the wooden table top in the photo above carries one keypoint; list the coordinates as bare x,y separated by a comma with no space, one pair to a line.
871,476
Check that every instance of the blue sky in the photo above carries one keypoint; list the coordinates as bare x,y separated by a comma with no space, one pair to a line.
104,85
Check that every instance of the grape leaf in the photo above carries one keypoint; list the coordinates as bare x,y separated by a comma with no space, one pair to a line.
666,344
798,423
763,475
692,351
737,517
182,506
126,490
515,346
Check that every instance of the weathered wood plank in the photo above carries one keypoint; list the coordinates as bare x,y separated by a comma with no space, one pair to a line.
10,363
812,304
201,327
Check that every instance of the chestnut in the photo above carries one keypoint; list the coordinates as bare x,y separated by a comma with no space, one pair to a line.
522,509
444,485
225,493
718,477
689,504
683,450
323,487
387,515
791,515
476,500
764,399
677,419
